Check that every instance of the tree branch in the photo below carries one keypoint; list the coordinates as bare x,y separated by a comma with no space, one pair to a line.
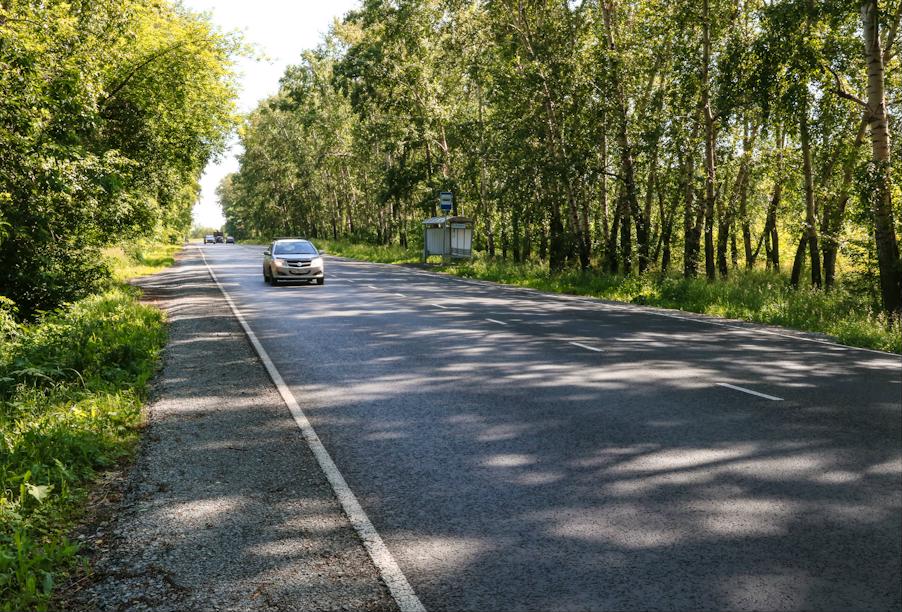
841,90
891,34
128,77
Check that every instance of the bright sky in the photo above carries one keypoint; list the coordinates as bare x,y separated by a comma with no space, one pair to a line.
280,29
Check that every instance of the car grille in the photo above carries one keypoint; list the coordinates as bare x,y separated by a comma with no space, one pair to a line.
298,264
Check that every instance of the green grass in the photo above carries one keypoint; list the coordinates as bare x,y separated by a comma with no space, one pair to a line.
756,296
368,252
140,258
72,385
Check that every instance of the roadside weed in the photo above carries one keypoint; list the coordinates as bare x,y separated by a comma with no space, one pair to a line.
71,391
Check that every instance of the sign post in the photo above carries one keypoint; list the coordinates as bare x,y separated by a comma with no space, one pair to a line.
446,201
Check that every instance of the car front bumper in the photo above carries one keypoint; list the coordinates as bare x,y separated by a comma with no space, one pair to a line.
293,273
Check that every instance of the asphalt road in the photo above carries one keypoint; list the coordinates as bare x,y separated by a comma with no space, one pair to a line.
523,451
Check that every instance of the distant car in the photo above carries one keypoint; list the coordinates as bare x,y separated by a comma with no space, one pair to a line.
293,259
219,239
230,240
209,239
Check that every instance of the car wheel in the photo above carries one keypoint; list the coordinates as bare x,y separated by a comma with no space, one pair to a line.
321,281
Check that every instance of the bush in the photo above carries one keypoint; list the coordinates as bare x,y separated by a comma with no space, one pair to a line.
41,277
71,387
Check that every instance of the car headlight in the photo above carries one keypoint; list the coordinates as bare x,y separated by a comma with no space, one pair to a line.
279,262
317,262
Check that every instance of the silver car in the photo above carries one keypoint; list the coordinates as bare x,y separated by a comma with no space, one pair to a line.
293,259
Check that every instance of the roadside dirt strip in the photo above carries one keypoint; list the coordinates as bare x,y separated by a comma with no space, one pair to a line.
226,507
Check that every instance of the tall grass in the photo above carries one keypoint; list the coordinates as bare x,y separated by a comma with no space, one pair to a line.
71,391
140,258
843,313
368,252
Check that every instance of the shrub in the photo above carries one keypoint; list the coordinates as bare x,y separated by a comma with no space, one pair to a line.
71,386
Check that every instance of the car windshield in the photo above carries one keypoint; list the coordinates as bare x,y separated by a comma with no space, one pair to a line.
294,247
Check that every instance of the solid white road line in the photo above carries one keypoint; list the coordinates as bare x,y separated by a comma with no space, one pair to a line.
750,392
497,321
388,568
587,347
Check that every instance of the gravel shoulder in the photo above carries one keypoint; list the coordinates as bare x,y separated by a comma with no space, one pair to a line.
225,507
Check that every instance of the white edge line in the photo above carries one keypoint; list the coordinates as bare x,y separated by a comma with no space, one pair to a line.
587,347
388,568
497,321
750,392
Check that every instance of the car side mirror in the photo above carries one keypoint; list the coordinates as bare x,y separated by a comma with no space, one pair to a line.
267,253
323,253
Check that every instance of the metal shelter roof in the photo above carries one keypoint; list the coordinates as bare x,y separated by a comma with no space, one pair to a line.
444,220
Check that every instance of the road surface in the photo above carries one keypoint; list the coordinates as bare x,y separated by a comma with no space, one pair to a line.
523,451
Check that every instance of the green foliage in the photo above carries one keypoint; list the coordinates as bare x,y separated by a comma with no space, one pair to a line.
71,386
578,134
110,111
369,252
140,258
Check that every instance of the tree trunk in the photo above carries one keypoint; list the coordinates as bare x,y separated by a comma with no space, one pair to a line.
744,220
601,225
880,187
833,216
773,235
611,263
629,203
643,238
691,234
586,242
626,238
799,261
515,239
666,235
810,211
710,141
483,201
557,254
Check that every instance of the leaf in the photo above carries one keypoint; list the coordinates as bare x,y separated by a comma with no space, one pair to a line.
39,492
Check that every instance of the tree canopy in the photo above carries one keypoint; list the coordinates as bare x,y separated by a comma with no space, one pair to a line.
111,109
666,136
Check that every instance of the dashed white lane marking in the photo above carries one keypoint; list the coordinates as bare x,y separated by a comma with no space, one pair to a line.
400,295
440,306
598,303
587,347
750,392
388,568
373,287
497,321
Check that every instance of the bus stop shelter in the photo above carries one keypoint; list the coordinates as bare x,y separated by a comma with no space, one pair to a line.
449,237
